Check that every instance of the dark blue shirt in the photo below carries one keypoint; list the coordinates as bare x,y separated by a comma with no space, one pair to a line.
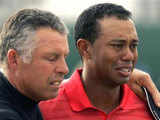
14,105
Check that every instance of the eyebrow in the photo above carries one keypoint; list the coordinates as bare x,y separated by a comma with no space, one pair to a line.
57,54
122,40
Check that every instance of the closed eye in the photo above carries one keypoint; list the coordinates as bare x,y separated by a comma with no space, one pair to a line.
52,58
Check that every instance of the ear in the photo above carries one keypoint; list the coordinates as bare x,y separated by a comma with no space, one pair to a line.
12,57
84,47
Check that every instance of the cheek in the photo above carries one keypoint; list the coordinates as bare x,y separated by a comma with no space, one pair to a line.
110,58
44,66
41,71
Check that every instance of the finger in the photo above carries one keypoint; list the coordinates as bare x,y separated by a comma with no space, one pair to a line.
144,80
151,87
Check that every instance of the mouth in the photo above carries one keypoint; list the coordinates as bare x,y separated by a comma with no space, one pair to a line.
56,83
124,71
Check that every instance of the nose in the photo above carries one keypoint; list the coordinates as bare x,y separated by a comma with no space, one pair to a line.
62,67
128,54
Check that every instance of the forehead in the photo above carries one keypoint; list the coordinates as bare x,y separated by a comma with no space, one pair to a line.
47,38
113,26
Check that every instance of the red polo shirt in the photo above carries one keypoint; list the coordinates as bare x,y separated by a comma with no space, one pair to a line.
72,103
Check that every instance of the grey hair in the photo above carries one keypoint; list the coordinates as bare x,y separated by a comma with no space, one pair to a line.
19,30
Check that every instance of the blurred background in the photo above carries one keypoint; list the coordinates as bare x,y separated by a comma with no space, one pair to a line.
145,13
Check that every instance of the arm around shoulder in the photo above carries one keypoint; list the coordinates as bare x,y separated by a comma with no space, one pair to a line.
141,79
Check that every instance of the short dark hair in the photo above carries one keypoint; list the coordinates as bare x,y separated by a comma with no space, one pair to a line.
87,26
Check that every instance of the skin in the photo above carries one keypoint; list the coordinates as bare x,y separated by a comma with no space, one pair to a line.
44,91
139,79
109,62
40,79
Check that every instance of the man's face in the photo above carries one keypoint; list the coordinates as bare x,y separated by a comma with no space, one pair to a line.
114,52
41,78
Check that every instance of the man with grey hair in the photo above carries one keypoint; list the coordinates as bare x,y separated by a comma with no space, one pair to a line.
33,48
33,62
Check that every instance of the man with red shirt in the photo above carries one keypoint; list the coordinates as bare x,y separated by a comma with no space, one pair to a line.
107,42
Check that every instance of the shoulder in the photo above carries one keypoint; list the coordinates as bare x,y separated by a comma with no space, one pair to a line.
9,114
130,99
54,107
52,103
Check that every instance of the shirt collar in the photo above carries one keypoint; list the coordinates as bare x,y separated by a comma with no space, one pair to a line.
79,100
76,93
125,96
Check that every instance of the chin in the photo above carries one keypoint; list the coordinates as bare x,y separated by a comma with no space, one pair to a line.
124,80
51,96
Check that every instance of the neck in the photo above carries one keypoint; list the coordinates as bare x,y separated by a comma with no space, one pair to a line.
101,96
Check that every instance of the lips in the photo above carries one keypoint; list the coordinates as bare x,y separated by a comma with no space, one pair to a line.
125,71
56,83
